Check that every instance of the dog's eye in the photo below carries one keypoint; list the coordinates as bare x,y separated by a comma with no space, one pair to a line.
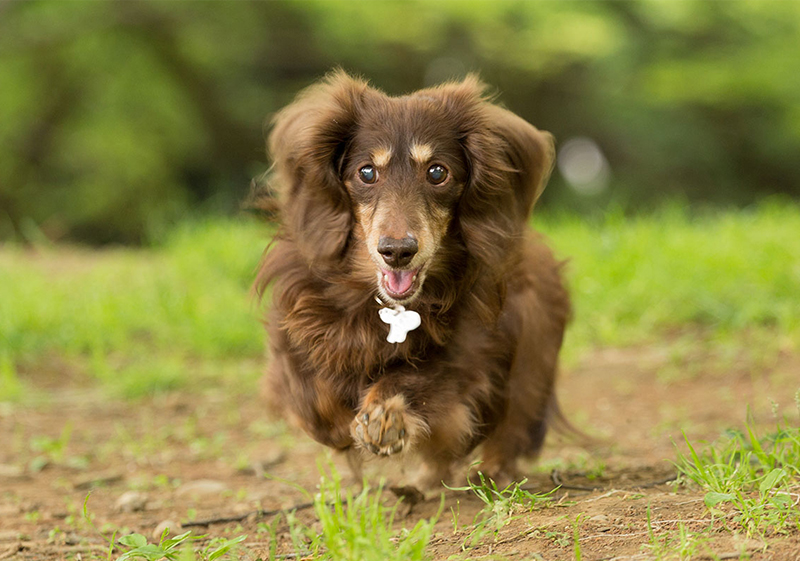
367,174
437,174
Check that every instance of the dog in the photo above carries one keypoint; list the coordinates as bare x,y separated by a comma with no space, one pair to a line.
412,310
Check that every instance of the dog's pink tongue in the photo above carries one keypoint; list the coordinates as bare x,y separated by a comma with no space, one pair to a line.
399,281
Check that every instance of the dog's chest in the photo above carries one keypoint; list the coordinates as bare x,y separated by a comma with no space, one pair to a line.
338,342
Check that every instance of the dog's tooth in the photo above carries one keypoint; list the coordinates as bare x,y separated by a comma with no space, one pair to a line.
414,278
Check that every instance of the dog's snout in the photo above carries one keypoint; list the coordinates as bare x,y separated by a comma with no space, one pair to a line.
397,252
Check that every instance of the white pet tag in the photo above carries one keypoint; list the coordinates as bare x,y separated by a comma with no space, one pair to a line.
400,321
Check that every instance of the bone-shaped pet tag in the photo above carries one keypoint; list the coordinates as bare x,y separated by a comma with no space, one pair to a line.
400,321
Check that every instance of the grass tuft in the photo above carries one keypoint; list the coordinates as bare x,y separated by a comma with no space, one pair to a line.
501,507
184,547
758,477
356,526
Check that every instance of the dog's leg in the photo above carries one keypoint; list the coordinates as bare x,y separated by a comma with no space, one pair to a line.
313,403
435,471
522,430
499,457
537,311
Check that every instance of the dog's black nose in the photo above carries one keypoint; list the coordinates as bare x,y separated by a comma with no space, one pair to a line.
398,253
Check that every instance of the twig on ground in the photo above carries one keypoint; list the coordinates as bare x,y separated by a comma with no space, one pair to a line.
41,549
657,482
648,557
411,495
97,480
608,494
257,513
555,477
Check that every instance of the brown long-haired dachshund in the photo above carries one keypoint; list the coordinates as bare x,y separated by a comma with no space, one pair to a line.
412,310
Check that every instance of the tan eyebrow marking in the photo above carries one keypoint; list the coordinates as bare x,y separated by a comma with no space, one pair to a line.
381,157
421,153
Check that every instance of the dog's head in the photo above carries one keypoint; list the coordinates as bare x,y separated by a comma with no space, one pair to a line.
404,175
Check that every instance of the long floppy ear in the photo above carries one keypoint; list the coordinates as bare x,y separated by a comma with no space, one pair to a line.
307,144
509,164
529,151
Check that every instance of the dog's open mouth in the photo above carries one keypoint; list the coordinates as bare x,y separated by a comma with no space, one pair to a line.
399,284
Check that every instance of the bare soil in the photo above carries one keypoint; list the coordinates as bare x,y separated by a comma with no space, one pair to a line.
201,455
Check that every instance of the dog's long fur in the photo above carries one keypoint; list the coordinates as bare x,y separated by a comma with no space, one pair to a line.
481,368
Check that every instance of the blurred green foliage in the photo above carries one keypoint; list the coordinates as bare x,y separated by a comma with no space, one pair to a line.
118,117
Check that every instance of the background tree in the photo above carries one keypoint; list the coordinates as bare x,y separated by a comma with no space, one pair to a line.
117,118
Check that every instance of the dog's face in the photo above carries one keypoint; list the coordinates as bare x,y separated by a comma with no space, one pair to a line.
405,171
403,175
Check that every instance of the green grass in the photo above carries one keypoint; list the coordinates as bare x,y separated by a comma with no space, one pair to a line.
681,543
353,525
183,547
171,316
751,481
180,548
751,487
179,315
189,295
501,507
732,275
349,525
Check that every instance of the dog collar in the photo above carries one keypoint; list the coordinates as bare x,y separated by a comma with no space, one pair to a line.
400,321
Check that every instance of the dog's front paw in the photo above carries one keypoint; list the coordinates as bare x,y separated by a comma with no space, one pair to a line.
382,427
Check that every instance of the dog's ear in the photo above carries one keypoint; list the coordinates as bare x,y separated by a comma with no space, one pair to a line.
529,152
307,144
509,164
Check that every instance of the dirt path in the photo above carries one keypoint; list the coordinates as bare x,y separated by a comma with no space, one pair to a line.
185,458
